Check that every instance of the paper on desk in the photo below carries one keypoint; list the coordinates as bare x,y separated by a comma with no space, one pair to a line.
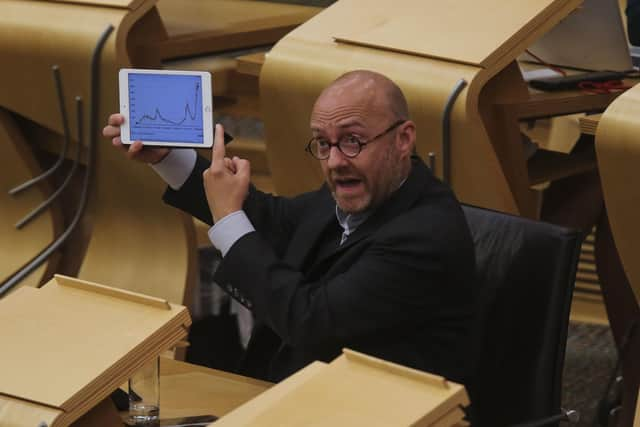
541,73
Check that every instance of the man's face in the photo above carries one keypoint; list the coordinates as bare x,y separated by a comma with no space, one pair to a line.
369,178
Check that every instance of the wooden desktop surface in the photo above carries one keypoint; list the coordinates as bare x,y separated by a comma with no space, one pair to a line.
189,390
539,104
195,27
546,165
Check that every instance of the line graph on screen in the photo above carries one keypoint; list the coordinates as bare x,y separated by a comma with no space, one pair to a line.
165,108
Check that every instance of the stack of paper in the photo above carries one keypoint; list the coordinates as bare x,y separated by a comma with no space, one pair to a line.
589,124
69,344
355,390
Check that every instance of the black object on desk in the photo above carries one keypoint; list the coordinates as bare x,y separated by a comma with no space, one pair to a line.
194,421
572,81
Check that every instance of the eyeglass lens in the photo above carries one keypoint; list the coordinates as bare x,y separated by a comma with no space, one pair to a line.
349,146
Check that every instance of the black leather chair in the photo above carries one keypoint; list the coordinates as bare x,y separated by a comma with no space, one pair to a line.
526,274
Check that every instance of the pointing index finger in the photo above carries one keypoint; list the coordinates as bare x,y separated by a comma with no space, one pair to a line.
218,151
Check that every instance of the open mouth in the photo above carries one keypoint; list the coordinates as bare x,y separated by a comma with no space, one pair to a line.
347,184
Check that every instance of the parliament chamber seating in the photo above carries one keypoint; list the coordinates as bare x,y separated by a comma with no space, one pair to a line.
526,272
127,219
127,238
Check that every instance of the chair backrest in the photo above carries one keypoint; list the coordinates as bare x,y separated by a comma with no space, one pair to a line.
526,272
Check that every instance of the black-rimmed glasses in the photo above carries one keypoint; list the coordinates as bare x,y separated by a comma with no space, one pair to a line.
349,145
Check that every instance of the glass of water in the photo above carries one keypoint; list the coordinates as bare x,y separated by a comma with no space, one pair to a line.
144,395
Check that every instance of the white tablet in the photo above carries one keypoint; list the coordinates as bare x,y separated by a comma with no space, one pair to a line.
166,108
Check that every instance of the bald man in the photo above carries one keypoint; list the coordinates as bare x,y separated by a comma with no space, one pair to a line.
379,259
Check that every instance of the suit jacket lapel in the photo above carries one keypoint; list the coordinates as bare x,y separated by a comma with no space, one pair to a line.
310,231
399,202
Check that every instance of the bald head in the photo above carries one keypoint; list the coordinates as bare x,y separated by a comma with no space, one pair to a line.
369,88
366,112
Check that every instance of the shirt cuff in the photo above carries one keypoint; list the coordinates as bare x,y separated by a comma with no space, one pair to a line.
229,230
176,167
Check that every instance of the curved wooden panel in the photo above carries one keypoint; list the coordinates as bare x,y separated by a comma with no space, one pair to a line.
136,242
618,153
196,26
36,35
19,246
287,101
306,60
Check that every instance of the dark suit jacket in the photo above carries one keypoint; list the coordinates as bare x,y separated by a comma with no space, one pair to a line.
399,288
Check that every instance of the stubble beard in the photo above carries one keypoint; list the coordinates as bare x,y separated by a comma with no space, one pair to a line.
390,182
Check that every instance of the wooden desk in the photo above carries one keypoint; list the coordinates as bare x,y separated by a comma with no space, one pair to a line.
187,390
545,165
508,113
195,27
146,32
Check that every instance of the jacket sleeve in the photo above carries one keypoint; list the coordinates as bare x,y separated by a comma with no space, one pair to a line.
273,217
399,278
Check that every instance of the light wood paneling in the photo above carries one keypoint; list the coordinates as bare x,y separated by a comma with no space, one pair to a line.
197,27
618,151
308,58
18,247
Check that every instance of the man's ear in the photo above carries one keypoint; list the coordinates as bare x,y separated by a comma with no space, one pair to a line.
406,141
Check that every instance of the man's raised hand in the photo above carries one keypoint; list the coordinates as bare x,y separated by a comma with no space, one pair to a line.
226,181
136,151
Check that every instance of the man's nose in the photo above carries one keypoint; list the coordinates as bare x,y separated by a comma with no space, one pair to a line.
336,158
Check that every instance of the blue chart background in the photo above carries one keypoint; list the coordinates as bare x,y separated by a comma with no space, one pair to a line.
166,108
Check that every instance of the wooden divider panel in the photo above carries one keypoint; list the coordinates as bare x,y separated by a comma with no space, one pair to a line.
136,242
422,47
19,246
618,153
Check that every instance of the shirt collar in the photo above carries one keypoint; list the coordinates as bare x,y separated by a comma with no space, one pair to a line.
349,222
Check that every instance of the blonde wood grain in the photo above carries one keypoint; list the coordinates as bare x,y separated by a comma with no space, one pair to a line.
588,309
112,292
249,413
251,64
19,246
154,244
432,380
196,27
44,32
618,152
220,67
308,58
123,4
20,413
136,242
175,367
200,393
454,33
350,392
504,135
556,134
188,390
45,336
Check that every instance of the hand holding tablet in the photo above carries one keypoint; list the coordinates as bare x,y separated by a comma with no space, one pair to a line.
167,108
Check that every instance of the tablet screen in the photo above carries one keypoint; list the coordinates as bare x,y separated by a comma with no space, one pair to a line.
165,107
